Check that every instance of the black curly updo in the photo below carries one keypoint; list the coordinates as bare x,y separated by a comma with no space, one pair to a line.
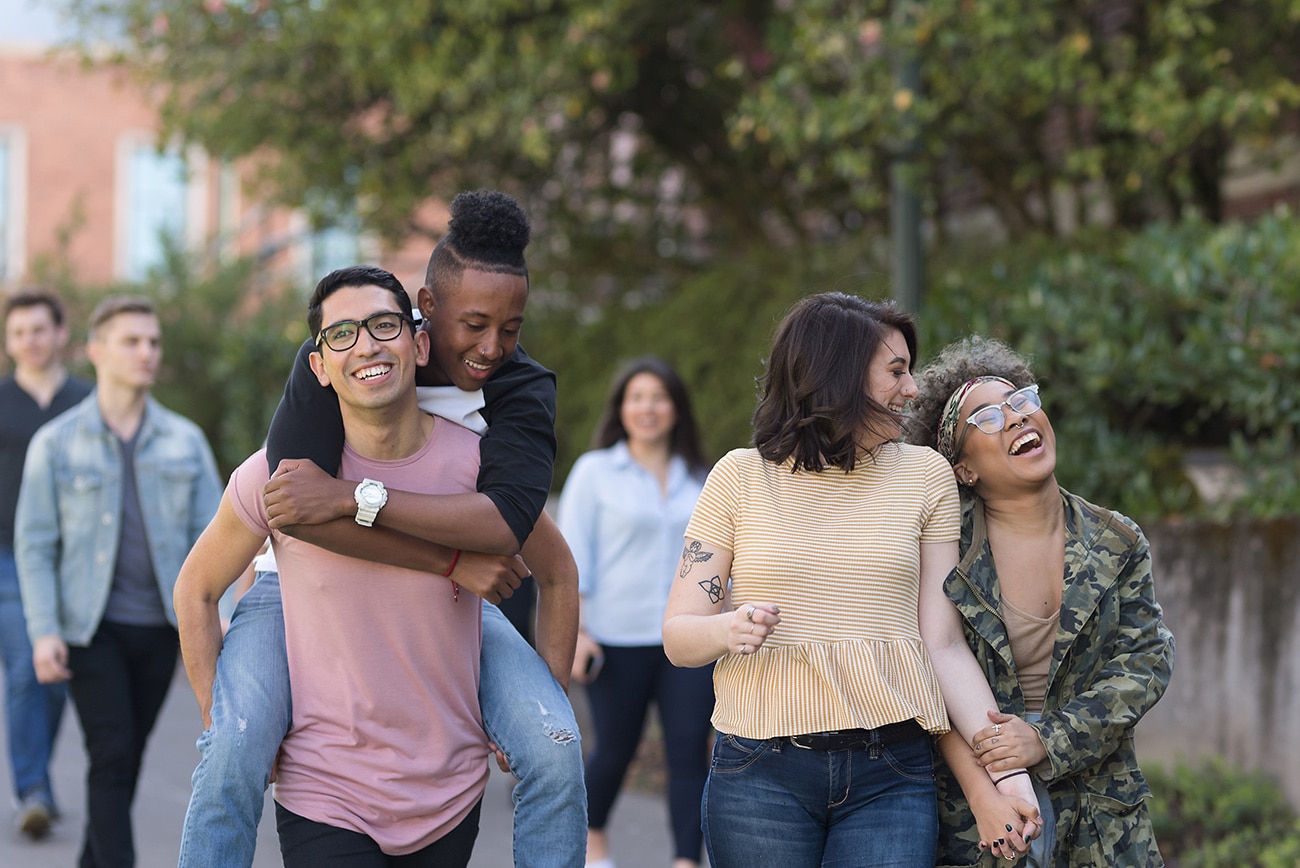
488,231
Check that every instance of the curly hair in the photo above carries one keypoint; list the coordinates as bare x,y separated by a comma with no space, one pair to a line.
488,231
960,361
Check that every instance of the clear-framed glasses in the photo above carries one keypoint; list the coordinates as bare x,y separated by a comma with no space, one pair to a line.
990,419
342,335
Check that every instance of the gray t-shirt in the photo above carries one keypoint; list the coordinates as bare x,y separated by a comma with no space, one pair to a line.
134,598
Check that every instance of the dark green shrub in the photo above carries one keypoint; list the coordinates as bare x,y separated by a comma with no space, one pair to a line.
1155,348
1217,817
228,344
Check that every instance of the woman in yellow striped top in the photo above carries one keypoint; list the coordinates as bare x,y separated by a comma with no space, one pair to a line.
813,568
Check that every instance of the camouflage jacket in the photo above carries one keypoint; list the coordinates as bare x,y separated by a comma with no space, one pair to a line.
1111,663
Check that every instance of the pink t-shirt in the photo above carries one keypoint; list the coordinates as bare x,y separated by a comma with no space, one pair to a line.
387,739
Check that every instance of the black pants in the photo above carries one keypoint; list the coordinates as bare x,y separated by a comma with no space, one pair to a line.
307,844
118,685
630,679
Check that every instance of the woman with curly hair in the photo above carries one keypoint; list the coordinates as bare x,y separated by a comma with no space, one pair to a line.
1058,606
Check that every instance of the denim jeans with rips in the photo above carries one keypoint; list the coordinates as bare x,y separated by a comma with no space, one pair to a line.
525,712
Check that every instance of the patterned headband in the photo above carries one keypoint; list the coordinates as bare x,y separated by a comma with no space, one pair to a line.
947,440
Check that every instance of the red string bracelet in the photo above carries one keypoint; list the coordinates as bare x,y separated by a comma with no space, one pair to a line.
455,559
455,588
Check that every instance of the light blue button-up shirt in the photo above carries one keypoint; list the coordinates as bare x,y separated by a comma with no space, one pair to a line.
70,507
626,535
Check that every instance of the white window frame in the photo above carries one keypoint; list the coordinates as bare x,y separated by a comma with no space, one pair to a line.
196,198
13,266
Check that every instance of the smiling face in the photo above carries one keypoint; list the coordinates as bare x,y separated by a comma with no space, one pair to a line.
647,411
889,379
373,374
32,338
473,328
1023,450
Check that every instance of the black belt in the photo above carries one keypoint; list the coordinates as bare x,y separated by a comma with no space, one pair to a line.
849,739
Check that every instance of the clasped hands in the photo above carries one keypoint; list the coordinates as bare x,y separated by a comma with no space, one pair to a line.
1010,820
300,494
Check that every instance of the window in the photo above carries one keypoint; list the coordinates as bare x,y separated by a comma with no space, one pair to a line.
12,196
159,204
335,247
335,241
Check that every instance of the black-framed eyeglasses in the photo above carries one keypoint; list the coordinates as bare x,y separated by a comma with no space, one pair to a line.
990,419
383,326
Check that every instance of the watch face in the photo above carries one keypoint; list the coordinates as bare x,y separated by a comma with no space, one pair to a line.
370,495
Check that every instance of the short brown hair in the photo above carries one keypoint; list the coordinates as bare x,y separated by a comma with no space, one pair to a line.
34,297
115,305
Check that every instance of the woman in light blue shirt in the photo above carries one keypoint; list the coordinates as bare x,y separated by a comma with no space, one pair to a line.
624,511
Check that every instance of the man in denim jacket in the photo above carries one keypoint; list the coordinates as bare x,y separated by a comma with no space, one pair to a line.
114,493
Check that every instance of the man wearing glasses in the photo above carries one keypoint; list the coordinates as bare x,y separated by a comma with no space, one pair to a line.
386,755
473,299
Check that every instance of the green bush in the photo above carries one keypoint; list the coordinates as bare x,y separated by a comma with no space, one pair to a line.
1154,348
228,344
1217,817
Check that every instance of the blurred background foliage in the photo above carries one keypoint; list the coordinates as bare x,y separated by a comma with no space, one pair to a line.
1161,352
697,127
693,168
227,347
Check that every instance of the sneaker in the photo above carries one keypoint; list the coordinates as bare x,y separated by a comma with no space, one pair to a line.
34,818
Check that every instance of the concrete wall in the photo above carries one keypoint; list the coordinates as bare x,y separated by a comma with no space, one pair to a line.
1231,596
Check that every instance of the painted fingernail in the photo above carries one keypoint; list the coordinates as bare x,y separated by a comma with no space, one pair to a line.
1001,841
1008,827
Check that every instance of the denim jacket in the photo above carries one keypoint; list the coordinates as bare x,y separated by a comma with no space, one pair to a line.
69,517
1112,662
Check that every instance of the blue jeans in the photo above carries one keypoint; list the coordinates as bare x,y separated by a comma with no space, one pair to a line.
525,712
32,710
769,803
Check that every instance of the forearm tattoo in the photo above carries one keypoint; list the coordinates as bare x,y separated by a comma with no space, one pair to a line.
712,587
692,555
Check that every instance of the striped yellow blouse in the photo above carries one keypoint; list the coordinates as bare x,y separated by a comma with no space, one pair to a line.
840,554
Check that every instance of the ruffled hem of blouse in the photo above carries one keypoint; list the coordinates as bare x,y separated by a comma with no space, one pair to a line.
823,686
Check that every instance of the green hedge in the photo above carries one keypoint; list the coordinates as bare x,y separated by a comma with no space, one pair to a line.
1154,348
1216,817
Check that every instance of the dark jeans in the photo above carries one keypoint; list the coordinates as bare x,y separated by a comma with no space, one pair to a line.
620,697
307,844
118,685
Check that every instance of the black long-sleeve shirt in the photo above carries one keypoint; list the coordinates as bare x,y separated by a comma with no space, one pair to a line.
517,455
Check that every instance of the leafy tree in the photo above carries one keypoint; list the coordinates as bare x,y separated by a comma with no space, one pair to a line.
610,112
682,128
228,342
1061,112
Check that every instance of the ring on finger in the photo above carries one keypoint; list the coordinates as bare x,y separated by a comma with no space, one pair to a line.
749,616
997,729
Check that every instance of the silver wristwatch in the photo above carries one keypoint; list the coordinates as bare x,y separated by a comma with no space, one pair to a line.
371,497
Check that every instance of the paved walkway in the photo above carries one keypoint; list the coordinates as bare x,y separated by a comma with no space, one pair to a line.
638,829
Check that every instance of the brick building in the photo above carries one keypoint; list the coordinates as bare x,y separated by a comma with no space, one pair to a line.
86,188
